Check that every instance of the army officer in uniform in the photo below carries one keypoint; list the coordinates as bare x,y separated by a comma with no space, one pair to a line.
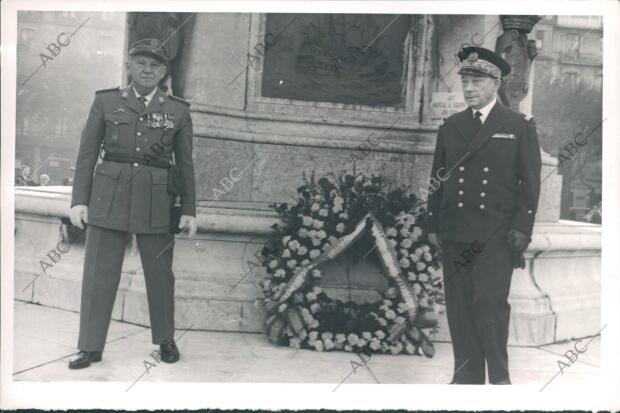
141,131
487,160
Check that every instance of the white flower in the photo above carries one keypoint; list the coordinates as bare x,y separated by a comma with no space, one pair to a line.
316,273
340,227
314,253
327,336
343,216
280,273
303,233
286,239
318,198
314,324
382,321
273,264
352,339
293,245
348,348
315,207
313,335
391,232
426,248
286,253
315,307
406,243
417,231
417,288
404,231
294,342
428,257
323,212
423,277
380,334
311,296
410,348
404,263
318,224
424,302
303,334
307,221
302,250
411,276
420,266
338,200
336,208
305,262
321,234
312,233
318,345
316,242
367,335
340,338
414,258
418,252
375,344
329,344
291,263
399,320
393,242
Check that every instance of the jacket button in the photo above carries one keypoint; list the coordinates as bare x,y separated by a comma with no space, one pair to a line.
483,194
141,118
485,169
461,180
529,211
461,192
481,206
116,122
137,149
460,205
139,133
430,213
484,182
135,164
461,168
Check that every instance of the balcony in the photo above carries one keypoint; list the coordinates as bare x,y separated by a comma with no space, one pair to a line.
581,58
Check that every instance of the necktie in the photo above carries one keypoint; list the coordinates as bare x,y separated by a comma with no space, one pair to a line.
142,100
477,120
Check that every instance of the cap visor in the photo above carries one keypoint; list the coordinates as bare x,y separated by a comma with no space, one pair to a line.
474,72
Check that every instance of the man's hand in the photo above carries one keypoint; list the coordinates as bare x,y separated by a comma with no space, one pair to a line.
189,222
518,242
78,214
434,238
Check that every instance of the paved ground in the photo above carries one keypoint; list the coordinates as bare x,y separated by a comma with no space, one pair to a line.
45,339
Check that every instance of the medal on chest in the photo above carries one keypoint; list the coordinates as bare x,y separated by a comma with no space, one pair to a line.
160,120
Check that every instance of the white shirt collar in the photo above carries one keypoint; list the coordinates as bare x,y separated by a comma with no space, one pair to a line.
484,110
148,97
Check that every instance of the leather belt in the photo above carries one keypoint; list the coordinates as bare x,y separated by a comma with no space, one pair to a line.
117,157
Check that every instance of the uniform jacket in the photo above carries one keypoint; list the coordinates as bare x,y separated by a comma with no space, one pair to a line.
130,196
486,182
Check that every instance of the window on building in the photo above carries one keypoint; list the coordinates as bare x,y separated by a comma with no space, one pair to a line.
571,77
26,37
358,59
540,37
105,45
573,42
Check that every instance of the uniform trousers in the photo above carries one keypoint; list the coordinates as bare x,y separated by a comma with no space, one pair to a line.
103,261
477,309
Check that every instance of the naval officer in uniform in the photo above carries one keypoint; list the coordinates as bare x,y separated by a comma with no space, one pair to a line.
142,132
487,162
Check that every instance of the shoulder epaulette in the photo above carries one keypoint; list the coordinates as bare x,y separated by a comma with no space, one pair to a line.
108,90
178,99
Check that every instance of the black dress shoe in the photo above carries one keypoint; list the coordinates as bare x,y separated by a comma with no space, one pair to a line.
507,381
169,352
84,358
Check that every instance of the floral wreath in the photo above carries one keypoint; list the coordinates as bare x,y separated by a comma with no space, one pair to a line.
331,215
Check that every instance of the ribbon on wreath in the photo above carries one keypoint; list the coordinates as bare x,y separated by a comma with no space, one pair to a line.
282,319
